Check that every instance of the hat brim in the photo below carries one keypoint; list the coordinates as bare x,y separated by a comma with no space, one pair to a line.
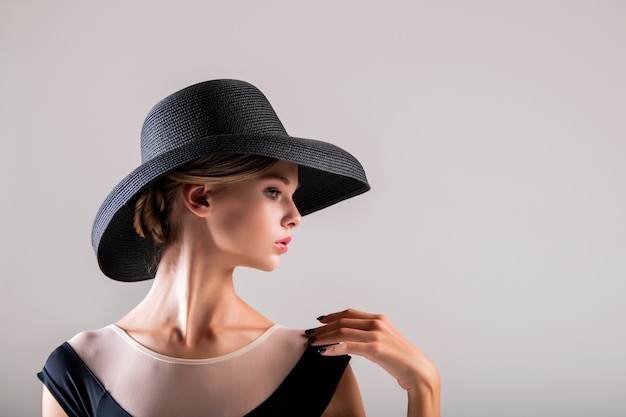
327,175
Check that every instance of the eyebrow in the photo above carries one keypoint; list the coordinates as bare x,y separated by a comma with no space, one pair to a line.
278,177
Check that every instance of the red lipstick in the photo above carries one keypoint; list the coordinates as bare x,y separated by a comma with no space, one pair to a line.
282,244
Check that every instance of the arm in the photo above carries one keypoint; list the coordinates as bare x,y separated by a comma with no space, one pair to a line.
346,401
49,406
375,338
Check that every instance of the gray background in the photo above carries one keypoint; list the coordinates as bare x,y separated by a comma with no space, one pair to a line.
493,134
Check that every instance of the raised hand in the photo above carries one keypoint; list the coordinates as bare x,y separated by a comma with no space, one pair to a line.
375,338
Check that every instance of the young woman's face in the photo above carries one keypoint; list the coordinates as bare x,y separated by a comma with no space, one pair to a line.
251,221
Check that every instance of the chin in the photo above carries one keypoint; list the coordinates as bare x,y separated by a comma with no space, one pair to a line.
266,265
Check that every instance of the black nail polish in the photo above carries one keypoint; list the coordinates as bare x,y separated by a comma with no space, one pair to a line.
312,340
309,331
321,317
321,350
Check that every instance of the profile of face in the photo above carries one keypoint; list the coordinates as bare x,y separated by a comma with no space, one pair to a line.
249,223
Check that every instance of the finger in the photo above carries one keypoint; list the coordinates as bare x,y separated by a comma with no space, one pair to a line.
343,335
348,313
367,350
379,324
360,324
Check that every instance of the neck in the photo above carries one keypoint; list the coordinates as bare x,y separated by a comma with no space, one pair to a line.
192,300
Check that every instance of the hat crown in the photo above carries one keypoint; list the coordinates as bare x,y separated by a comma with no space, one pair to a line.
207,109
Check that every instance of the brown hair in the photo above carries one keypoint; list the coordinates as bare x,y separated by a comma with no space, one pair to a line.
153,208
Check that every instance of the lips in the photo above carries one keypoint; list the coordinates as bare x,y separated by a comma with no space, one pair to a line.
282,244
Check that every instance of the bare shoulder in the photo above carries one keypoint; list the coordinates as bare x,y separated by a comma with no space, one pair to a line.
84,337
346,401
86,343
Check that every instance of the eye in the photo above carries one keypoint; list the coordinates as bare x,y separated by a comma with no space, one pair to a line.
272,193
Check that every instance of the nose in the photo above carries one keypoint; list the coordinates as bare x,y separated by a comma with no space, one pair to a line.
293,218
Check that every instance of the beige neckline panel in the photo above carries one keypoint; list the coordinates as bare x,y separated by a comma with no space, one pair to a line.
148,384
169,359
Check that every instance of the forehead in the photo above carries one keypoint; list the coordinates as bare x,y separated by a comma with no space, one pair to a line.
285,171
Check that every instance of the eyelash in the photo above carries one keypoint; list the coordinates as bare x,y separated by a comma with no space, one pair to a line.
273,193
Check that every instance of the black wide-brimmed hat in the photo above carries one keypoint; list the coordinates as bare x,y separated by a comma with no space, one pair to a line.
214,117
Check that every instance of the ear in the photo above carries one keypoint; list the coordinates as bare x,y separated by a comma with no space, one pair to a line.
196,198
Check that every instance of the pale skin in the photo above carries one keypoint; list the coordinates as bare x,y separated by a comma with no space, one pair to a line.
193,311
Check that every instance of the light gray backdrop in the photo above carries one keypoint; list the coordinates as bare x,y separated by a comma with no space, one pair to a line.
493,133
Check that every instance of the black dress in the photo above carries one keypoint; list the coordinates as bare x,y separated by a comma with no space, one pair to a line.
105,373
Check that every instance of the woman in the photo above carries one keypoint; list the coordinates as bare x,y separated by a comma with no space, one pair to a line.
221,185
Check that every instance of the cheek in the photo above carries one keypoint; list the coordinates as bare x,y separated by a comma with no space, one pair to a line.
242,221
232,219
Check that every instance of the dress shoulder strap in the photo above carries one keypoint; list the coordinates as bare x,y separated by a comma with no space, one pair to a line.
74,386
308,389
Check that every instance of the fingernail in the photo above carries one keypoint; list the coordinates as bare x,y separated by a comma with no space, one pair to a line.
321,317
312,340
309,331
321,350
